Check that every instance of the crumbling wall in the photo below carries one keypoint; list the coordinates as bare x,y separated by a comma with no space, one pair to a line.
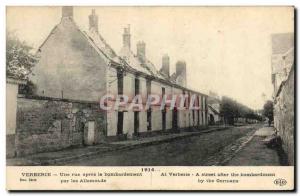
47,124
284,116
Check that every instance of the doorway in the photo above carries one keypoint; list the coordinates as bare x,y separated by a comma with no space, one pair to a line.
120,123
81,127
174,124
164,111
211,119
136,123
91,133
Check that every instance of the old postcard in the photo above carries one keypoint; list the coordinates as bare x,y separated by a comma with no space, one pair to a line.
150,98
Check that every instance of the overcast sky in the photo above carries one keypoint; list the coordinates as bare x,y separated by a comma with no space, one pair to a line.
227,50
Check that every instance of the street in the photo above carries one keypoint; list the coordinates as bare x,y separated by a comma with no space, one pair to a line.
191,151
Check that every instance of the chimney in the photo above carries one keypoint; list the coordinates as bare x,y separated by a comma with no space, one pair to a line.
141,51
126,37
67,11
93,21
165,68
181,73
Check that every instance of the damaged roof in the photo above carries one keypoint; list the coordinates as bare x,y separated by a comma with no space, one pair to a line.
126,58
146,67
126,55
100,42
213,109
173,77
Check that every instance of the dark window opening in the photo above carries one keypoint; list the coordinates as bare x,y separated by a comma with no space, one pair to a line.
184,100
120,92
174,124
201,103
198,115
136,86
188,100
193,117
198,111
163,91
148,86
164,125
205,111
81,130
120,81
136,113
163,112
149,120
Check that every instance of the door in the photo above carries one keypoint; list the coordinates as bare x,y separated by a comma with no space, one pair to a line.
136,123
81,128
120,123
198,116
174,119
91,133
164,113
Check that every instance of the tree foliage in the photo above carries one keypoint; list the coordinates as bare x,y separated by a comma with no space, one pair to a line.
231,110
268,110
19,57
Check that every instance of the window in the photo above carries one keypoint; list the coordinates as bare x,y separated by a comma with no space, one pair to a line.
148,85
163,91
120,81
136,86
149,119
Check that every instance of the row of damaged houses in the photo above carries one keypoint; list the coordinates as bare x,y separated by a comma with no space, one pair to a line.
75,70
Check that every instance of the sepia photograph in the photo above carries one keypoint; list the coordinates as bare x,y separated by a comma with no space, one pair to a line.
150,88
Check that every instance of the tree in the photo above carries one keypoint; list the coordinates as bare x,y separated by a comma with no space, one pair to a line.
227,110
19,57
268,111
231,110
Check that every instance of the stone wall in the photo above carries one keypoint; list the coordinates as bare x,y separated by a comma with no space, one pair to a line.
10,146
11,107
47,124
284,115
11,110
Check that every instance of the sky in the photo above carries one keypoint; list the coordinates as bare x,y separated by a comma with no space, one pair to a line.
227,49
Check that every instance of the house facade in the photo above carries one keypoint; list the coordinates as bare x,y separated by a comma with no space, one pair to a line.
76,69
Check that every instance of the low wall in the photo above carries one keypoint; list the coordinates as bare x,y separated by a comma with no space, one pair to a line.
284,115
46,124
10,146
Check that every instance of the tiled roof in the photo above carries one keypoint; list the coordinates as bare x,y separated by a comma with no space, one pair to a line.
125,55
126,58
95,39
146,67
173,77
132,61
213,109
103,46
